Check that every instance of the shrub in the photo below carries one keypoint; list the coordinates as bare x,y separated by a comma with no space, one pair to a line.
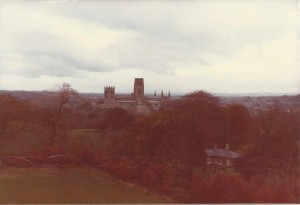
277,190
228,188
153,175
128,169
198,191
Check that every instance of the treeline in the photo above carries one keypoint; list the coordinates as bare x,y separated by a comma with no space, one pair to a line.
180,131
169,145
164,151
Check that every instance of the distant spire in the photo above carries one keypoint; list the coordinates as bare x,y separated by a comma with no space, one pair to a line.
169,95
155,93
162,93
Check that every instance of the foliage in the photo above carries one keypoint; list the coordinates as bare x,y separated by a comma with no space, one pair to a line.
275,149
13,116
241,126
164,150
56,111
116,119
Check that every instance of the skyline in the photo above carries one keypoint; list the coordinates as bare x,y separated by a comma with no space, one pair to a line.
181,46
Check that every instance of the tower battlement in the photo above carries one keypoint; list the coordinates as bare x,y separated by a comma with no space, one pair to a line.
109,87
109,95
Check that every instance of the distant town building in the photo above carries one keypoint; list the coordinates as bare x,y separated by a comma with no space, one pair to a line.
137,101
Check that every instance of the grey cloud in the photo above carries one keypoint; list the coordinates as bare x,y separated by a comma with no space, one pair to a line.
158,40
205,36
43,53
166,37
56,65
35,65
160,46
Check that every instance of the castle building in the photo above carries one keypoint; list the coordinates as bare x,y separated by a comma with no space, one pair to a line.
137,101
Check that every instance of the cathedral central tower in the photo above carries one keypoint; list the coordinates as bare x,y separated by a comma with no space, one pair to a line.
138,90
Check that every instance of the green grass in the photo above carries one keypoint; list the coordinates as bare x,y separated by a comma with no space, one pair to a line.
64,186
67,186
35,138
24,142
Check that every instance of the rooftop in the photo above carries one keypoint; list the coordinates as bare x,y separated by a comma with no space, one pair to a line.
217,152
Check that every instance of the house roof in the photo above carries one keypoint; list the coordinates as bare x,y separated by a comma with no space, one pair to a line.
216,152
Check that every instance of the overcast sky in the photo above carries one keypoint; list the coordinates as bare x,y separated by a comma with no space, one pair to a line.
218,46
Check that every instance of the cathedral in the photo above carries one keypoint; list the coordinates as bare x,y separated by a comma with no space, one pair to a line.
137,101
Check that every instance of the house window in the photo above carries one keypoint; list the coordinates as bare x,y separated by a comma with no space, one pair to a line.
228,162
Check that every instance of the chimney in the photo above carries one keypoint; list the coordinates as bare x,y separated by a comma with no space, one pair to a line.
227,146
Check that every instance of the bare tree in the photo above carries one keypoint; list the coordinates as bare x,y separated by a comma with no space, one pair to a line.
61,98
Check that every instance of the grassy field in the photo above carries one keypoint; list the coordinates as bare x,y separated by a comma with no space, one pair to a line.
64,186
35,138
67,186
24,142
